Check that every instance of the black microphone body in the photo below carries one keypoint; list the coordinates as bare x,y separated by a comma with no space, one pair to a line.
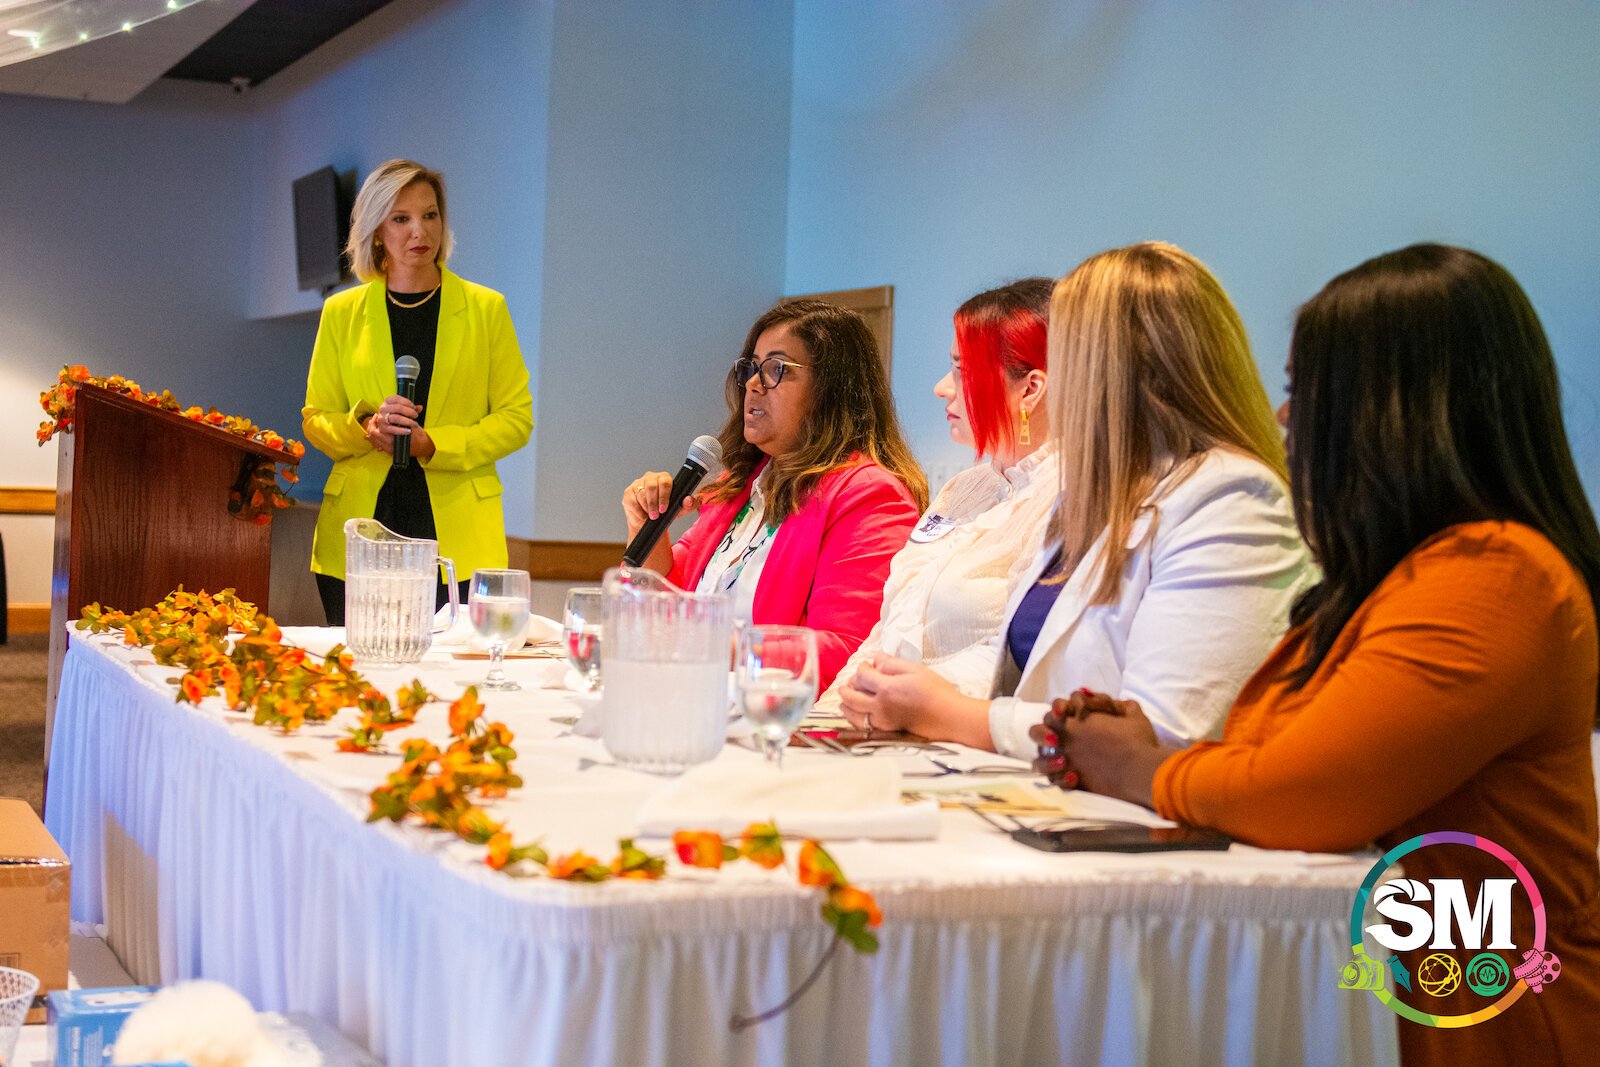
406,370
704,454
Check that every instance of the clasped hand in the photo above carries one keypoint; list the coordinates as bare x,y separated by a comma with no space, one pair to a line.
1090,741
399,417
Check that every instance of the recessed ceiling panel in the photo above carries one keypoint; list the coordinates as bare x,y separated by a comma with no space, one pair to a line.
117,68
269,36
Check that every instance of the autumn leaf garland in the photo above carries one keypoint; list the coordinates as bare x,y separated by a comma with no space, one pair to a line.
227,648
260,496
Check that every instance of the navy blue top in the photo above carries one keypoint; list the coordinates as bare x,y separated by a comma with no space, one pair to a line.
1030,616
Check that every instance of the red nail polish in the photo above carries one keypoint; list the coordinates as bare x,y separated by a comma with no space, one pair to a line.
1069,780
1051,740
1084,690
1058,763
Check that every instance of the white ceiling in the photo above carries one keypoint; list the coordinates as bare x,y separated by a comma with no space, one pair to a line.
117,68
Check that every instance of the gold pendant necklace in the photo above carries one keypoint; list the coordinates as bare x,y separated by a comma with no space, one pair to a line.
414,303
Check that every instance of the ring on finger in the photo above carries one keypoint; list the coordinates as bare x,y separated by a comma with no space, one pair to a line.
866,722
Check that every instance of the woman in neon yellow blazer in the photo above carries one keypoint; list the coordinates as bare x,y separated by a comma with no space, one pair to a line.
472,406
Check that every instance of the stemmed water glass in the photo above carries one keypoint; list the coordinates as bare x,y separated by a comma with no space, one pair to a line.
497,603
775,675
581,632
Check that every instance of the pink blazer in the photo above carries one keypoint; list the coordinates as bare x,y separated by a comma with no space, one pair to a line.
829,560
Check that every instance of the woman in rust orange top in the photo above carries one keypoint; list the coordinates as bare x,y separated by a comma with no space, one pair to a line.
1443,675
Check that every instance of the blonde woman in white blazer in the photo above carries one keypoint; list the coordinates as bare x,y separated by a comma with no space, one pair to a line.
1215,566
1173,556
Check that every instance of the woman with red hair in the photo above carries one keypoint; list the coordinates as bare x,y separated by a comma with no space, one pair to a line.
947,589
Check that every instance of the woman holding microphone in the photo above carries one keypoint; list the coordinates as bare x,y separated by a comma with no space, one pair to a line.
821,490
471,407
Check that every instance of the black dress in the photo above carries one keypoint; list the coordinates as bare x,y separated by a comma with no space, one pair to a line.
403,502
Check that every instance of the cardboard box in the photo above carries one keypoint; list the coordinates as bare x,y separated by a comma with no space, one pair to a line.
35,898
84,1023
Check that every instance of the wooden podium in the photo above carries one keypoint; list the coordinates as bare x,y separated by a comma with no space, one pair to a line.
142,507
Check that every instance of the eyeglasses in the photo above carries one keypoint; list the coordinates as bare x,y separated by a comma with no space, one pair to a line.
770,369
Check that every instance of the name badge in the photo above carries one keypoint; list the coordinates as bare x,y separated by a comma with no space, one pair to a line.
931,529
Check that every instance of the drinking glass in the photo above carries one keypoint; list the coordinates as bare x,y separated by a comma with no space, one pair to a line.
497,603
581,629
775,674
16,997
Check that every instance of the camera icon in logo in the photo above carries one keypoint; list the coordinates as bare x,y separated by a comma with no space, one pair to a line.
1538,969
1361,973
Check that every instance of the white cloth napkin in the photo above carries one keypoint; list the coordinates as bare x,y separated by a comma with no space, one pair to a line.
540,630
836,799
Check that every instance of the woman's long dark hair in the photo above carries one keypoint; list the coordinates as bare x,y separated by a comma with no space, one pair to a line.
852,411
1424,395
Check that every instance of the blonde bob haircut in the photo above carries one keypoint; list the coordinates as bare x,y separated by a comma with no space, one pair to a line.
1149,369
373,203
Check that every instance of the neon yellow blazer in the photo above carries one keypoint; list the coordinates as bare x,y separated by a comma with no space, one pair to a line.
478,409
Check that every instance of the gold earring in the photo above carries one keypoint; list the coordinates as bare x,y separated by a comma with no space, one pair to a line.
1024,438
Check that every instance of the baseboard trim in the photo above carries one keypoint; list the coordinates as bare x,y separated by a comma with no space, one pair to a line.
19,500
563,561
28,618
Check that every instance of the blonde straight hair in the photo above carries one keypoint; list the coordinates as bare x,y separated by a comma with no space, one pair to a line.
1150,369
373,203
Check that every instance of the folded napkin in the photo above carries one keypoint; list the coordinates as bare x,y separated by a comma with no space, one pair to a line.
539,631
837,799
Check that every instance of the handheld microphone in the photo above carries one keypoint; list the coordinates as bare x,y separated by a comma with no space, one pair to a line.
705,457
406,372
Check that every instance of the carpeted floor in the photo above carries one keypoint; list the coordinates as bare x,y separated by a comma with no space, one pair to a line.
23,664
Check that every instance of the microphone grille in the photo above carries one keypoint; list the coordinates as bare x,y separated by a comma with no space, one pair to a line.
407,367
707,451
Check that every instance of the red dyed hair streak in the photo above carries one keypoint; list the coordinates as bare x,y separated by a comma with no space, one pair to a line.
1000,335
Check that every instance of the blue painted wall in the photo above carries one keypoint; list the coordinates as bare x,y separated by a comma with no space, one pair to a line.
946,146
664,237
122,248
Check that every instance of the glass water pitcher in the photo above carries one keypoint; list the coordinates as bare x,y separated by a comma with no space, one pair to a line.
665,703
389,591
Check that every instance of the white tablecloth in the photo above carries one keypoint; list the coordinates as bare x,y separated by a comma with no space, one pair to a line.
214,848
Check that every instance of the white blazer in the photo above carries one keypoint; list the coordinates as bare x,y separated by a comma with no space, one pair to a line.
1205,597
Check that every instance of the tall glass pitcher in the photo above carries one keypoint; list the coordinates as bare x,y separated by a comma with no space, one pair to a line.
389,593
665,702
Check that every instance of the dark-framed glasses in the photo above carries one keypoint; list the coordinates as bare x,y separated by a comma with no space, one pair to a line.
770,369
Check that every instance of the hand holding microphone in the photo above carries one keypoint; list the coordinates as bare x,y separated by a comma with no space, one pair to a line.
406,371
395,427
653,500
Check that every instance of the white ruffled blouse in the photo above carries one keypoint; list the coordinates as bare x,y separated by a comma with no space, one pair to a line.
946,596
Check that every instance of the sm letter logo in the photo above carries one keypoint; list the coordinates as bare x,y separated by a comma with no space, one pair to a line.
1401,902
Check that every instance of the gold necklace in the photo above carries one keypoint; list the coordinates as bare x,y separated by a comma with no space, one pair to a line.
413,304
